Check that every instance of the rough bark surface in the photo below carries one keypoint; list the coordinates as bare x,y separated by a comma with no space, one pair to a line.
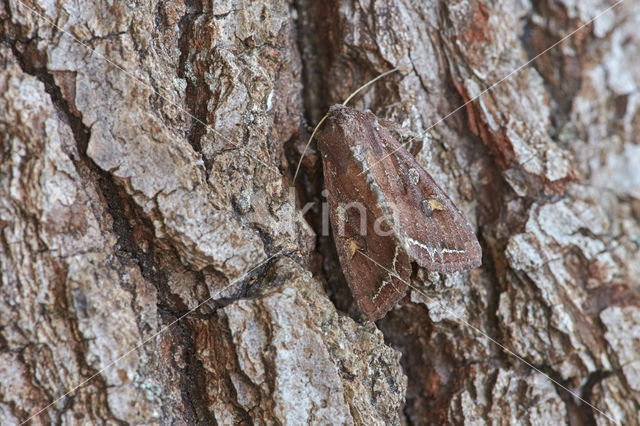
157,269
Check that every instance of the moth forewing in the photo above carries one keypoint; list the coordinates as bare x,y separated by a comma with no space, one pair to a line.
433,231
364,165
442,238
376,289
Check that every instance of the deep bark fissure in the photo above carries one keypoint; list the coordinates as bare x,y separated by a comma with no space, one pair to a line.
197,129
191,388
195,107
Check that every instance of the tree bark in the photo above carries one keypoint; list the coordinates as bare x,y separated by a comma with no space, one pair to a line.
156,264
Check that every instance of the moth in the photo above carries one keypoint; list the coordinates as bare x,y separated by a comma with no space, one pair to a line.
386,211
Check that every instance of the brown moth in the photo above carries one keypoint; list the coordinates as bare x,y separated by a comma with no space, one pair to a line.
386,211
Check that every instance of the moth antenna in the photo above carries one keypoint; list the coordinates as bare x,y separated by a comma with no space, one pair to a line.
351,96
367,84
304,151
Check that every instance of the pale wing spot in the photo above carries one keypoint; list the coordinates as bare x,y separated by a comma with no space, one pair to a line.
353,247
435,204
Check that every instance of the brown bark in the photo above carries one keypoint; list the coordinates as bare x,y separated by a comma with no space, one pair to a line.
146,161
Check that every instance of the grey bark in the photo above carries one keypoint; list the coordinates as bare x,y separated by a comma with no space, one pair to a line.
157,269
